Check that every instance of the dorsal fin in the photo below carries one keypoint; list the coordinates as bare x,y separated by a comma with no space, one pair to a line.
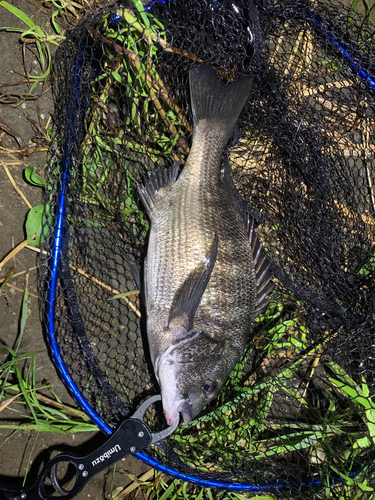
261,260
262,270
154,182
228,183
244,209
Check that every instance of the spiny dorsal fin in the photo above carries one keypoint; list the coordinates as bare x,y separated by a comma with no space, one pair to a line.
262,270
154,182
187,298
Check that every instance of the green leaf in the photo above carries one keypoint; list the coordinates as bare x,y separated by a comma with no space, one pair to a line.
184,492
54,23
116,76
33,178
7,278
40,52
41,77
370,414
364,487
167,493
142,13
15,30
209,494
34,225
18,13
362,443
200,496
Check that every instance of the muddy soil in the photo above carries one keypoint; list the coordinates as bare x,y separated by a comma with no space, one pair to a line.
27,122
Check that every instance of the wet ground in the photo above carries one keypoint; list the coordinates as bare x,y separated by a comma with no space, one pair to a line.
23,128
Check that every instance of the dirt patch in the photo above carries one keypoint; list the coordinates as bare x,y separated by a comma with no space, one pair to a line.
24,128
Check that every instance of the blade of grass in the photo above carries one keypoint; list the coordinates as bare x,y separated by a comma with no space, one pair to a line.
22,327
9,275
47,427
30,459
145,477
18,13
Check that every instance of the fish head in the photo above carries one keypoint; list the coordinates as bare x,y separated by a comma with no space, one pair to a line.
192,372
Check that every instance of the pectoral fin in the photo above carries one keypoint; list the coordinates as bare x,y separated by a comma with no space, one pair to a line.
188,296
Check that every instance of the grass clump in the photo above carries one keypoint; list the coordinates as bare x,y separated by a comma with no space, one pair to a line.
20,395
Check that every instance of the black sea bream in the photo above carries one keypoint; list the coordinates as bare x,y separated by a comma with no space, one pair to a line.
206,275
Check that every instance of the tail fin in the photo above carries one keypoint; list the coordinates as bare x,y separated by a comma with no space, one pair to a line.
214,101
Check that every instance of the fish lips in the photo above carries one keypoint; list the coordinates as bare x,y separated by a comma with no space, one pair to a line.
173,402
182,407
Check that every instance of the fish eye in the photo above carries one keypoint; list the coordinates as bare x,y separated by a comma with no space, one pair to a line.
209,387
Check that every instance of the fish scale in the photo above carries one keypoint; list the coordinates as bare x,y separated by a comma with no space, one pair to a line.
201,206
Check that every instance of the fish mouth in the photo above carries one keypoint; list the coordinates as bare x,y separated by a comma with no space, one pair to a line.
182,407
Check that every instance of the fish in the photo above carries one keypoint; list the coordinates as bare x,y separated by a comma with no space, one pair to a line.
206,276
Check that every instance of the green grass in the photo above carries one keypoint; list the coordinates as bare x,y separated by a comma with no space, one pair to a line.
29,407
241,429
153,132
20,395
163,487
37,35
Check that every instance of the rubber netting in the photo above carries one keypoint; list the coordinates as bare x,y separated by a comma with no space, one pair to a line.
299,410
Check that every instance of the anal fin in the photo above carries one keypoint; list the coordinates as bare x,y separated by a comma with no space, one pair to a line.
154,182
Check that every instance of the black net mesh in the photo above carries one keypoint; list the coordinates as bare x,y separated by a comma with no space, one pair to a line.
299,408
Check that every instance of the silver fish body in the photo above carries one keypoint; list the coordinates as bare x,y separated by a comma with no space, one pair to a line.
200,279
